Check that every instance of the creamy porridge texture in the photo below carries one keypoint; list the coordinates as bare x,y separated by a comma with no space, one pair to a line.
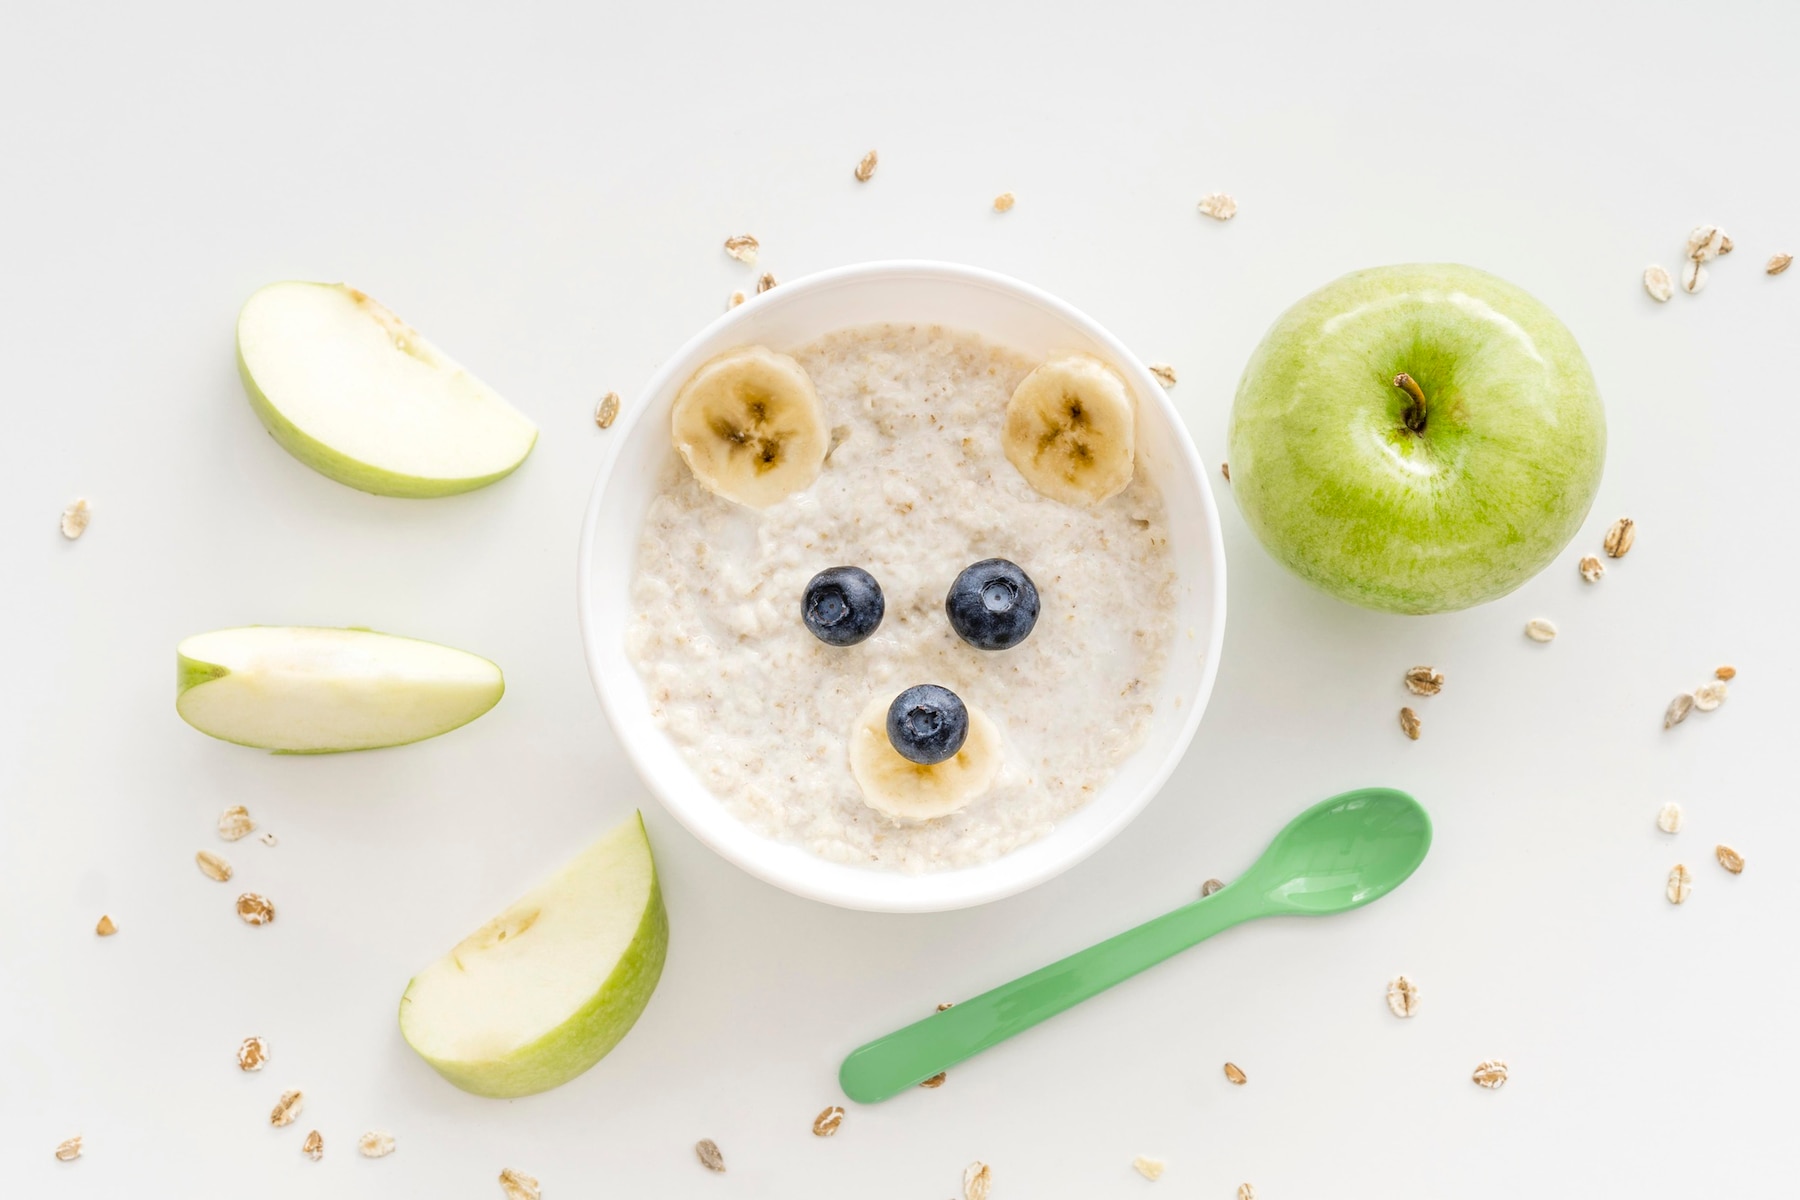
916,487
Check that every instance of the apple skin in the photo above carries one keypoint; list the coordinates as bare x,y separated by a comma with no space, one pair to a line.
1338,488
591,1032
335,464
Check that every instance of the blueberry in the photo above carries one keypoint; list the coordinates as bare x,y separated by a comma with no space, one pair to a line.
992,605
843,605
927,724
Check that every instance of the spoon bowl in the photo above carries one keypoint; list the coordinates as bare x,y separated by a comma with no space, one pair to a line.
1340,854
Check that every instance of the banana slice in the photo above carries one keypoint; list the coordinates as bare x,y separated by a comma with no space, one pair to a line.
751,426
908,791
1071,430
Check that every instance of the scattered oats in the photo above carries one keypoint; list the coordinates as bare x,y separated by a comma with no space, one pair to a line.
608,412
105,926
1668,818
737,298
314,1146
766,282
1693,278
1423,681
252,1054
375,1144
1658,283
827,1122
742,247
267,839
1236,1074
1707,242
1150,1168
866,167
70,1150
286,1109
1225,470
1246,1192
235,823
1540,629
1218,205
212,866
1620,537
75,520
1678,710
1165,374
1779,263
1709,696
1211,886
1409,723
1490,1074
978,1181
519,1186
1726,673
936,1081
1730,859
1403,997
1591,568
255,909
1004,202
946,1004
707,1151
1681,884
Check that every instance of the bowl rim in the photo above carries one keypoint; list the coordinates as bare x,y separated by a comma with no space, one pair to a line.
977,889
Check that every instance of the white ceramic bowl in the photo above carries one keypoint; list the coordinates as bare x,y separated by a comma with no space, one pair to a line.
1004,311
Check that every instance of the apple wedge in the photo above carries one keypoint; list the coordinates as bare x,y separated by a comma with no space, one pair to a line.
298,690
355,393
541,992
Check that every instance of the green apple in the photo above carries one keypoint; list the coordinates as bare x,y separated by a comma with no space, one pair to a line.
542,992
297,690
1417,438
355,393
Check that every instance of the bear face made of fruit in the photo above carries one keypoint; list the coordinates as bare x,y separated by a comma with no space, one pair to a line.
752,429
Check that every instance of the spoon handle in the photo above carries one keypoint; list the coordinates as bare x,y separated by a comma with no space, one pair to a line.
888,1066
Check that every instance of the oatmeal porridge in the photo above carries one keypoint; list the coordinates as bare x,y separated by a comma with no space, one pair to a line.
916,485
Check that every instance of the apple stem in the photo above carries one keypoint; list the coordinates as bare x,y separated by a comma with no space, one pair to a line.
1415,412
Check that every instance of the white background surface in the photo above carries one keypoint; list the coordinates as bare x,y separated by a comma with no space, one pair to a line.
544,195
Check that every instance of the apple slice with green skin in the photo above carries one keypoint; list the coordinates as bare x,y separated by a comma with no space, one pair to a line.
299,690
544,990
1417,438
356,394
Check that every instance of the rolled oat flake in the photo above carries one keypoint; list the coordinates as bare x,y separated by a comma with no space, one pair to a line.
1681,884
1620,537
1403,997
1150,1168
519,1186
375,1144
1678,710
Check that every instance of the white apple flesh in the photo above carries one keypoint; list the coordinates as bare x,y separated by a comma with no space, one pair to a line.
297,690
544,990
356,394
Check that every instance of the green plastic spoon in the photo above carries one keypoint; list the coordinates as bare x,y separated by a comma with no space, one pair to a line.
1338,855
